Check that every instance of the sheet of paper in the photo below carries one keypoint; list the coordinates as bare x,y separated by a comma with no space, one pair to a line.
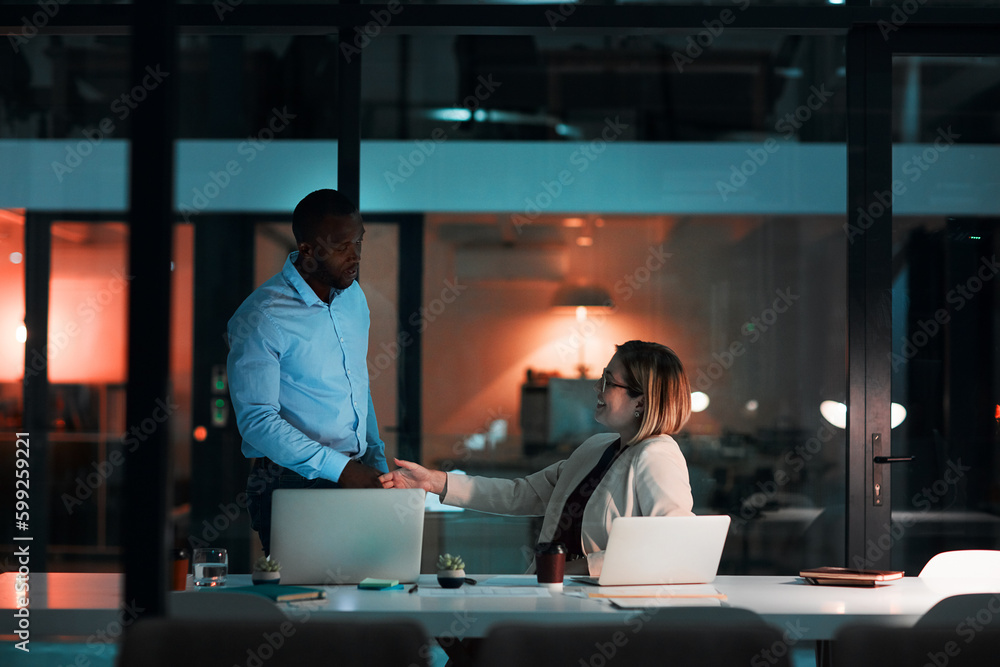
681,591
485,591
511,580
645,603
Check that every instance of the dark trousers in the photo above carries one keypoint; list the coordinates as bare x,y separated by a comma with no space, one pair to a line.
265,477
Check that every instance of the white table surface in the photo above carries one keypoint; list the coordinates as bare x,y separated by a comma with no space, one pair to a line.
86,604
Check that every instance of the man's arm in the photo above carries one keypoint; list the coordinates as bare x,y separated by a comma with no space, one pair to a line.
375,452
254,385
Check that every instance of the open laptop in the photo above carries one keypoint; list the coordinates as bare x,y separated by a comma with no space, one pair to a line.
341,536
662,550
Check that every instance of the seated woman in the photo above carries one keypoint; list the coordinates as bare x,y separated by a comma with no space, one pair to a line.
637,469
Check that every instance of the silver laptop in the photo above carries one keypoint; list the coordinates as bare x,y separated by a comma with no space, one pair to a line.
341,536
662,550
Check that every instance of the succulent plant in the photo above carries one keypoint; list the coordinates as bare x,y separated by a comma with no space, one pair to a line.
449,562
265,564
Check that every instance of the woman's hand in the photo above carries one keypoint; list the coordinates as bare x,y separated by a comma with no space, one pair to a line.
411,475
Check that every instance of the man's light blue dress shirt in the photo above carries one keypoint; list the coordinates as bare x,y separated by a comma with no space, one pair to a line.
298,377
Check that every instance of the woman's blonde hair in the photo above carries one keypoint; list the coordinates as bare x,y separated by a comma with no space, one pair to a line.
655,371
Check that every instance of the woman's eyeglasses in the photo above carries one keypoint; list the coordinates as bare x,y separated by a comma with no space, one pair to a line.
605,382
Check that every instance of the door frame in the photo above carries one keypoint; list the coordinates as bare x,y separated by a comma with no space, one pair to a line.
870,50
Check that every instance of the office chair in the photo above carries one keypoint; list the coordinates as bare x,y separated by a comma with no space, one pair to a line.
677,636
952,611
968,563
164,642
880,646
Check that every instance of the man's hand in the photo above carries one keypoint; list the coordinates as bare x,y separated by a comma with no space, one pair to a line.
357,475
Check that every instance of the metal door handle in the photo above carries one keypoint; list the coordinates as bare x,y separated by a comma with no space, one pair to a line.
877,462
892,459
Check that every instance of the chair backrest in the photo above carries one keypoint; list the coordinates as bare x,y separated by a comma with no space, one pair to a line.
952,611
165,642
967,563
880,646
675,636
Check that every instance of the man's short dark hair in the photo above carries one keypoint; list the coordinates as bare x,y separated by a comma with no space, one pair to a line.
316,206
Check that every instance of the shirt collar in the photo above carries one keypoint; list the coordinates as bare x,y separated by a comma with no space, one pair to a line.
295,279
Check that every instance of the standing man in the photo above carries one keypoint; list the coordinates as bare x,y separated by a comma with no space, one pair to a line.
298,375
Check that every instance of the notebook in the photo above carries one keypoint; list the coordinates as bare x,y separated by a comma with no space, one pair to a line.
846,576
342,536
662,550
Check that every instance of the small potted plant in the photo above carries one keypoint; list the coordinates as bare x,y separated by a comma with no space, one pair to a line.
266,571
451,571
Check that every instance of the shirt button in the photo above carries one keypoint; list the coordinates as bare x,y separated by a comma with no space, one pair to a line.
341,340
348,371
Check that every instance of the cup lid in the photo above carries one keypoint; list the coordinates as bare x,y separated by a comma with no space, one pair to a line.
550,548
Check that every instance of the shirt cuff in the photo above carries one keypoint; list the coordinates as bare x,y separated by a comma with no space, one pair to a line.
334,466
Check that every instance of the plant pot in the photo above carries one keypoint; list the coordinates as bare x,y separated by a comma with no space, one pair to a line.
261,577
451,578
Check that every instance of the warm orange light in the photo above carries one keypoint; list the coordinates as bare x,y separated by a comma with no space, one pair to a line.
997,413
585,241
200,433
21,333
572,222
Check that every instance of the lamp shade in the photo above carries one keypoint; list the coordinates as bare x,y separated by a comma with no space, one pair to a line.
589,296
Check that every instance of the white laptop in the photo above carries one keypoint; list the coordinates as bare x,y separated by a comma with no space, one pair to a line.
662,550
341,536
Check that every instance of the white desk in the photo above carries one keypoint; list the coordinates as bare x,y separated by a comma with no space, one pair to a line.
88,604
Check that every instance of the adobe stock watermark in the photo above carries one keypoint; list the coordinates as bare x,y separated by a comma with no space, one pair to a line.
779,648
111,634
958,296
924,501
915,168
759,156
86,312
130,440
581,159
901,13
212,529
457,630
244,324
30,25
121,107
460,450
698,43
425,148
421,318
625,287
753,329
968,629
794,460
363,35
218,181
271,643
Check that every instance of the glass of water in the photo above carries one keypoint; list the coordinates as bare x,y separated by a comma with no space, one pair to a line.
210,567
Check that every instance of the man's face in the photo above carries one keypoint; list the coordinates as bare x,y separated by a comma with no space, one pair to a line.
334,257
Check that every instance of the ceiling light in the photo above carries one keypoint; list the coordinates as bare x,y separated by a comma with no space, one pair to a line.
835,412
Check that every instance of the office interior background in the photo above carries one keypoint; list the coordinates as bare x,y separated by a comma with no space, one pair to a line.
799,198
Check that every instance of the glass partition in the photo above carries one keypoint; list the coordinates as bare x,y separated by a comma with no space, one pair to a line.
945,360
562,87
754,306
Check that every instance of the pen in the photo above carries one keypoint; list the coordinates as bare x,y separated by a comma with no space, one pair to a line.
413,590
471,581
